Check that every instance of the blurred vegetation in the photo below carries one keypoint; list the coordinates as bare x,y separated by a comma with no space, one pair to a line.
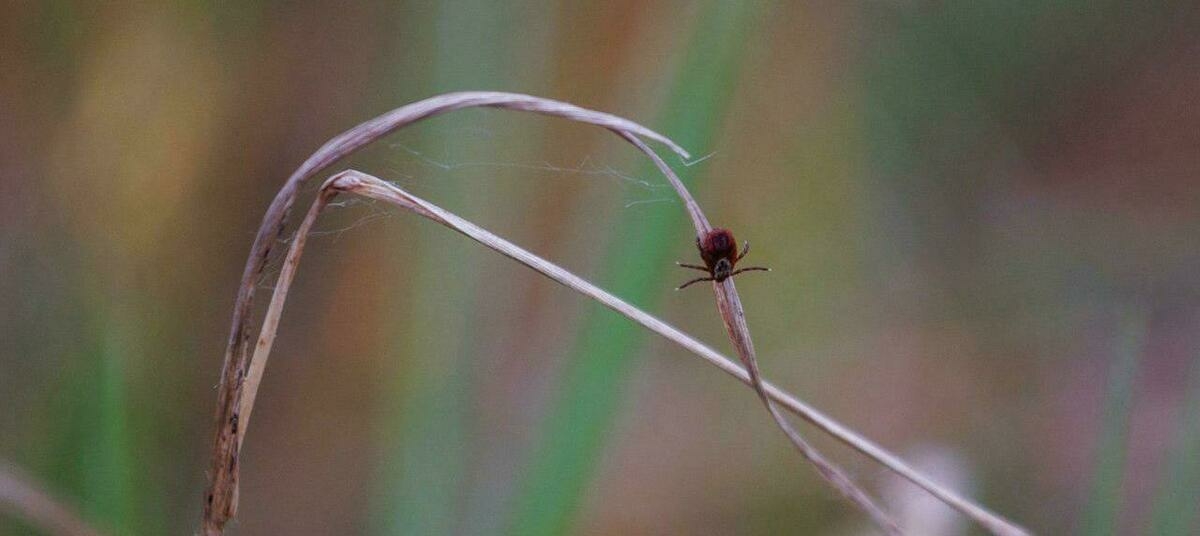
983,217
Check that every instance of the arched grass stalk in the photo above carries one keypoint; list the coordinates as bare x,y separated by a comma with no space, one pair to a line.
242,373
220,499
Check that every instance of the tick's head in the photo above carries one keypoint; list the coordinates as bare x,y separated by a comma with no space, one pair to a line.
722,269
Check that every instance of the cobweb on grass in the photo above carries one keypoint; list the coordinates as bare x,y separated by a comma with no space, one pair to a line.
414,167
450,159
375,212
585,168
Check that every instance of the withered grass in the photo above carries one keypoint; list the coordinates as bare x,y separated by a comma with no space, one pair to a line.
244,365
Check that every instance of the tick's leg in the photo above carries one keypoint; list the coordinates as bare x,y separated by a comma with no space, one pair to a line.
697,280
752,268
692,266
745,250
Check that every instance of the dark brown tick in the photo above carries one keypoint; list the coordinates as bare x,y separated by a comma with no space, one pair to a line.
719,251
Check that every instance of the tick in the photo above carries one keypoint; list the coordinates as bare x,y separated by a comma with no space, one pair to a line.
719,251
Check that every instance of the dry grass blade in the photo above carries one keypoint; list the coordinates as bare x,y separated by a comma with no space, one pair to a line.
369,186
221,496
23,498
242,373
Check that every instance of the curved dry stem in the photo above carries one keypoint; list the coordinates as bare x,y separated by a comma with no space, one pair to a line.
739,335
730,307
241,374
221,496
25,499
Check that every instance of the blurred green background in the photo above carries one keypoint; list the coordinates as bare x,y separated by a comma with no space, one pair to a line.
983,217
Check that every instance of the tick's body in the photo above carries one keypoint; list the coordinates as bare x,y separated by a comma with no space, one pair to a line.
718,250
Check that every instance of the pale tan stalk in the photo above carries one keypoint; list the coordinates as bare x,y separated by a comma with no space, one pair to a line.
242,372
220,499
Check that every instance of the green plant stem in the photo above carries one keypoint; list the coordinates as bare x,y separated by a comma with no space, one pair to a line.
574,434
